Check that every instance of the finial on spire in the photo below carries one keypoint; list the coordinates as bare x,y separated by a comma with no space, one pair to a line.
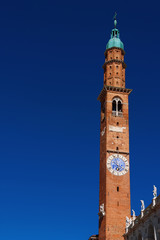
115,21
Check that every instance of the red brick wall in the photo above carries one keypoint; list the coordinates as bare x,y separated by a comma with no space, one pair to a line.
114,71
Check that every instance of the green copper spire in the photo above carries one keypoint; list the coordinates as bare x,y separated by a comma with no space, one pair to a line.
115,37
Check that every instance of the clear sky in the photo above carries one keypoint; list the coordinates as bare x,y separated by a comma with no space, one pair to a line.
51,57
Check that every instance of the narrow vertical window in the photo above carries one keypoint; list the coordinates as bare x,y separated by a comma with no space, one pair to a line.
119,106
114,105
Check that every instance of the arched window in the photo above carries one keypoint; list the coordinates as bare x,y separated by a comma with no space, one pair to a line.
117,107
139,237
150,232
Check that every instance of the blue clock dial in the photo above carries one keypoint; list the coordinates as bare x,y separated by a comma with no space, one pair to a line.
118,164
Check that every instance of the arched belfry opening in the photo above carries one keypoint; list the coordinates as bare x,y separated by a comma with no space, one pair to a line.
117,107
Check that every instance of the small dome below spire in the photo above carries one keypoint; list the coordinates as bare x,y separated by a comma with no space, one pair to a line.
115,37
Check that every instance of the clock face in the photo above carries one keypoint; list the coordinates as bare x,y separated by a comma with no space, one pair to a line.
117,164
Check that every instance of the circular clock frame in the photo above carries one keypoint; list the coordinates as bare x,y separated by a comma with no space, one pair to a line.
117,164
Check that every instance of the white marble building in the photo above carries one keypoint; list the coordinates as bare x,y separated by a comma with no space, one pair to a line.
146,226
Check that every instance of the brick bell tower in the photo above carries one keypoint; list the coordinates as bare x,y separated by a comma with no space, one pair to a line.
114,191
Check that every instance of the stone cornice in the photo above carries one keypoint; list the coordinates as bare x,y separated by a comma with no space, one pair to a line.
112,89
117,152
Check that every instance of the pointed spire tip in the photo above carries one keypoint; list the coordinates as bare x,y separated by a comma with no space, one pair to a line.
115,21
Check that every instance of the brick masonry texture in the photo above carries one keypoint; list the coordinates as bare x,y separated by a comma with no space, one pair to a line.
116,203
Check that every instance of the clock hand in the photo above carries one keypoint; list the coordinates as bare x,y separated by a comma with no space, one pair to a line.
119,167
122,167
116,164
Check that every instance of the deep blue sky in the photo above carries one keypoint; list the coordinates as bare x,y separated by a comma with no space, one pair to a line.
51,57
